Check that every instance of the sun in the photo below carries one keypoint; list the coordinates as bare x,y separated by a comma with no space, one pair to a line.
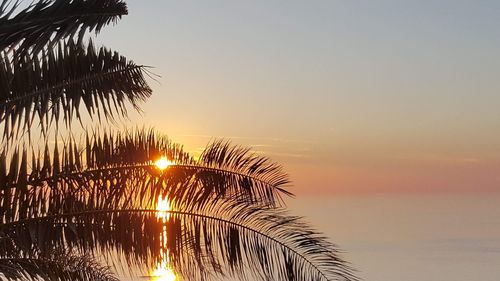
163,163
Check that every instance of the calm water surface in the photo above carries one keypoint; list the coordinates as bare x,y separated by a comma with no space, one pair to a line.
413,237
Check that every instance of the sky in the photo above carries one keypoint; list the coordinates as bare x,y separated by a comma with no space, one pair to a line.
352,97
393,103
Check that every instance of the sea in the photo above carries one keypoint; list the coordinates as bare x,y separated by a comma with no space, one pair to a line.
412,237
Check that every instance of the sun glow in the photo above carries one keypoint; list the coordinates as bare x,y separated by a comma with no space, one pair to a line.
163,163
163,273
163,270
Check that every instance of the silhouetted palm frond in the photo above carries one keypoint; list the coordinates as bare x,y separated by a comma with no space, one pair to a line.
223,238
247,170
55,85
103,195
56,266
48,21
119,170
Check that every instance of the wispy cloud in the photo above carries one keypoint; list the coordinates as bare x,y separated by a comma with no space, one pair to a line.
441,158
280,140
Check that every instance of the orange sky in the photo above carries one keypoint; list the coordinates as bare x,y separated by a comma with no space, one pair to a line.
379,97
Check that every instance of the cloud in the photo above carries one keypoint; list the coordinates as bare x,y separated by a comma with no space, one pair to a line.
280,140
441,158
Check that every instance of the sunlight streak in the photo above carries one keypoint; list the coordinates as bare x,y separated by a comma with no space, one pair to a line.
163,270
163,208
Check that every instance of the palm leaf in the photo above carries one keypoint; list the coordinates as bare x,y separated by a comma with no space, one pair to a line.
54,87
48,21
225,238
102,196
245,170
57,266
119,169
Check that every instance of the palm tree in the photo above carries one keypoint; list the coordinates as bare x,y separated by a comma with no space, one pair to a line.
97,195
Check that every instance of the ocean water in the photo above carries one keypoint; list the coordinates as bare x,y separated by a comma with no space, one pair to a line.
432,237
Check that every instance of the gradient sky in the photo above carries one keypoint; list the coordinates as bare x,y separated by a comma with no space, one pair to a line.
351,96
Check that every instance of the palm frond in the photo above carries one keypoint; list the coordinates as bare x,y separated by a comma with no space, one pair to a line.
102,195
55,85
246,170
118,170
48,21
226,239
56,266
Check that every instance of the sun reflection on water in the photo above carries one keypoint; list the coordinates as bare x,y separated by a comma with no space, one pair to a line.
163,208
163,270
163,273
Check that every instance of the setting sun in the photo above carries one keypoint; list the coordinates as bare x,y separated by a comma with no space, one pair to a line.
163,163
